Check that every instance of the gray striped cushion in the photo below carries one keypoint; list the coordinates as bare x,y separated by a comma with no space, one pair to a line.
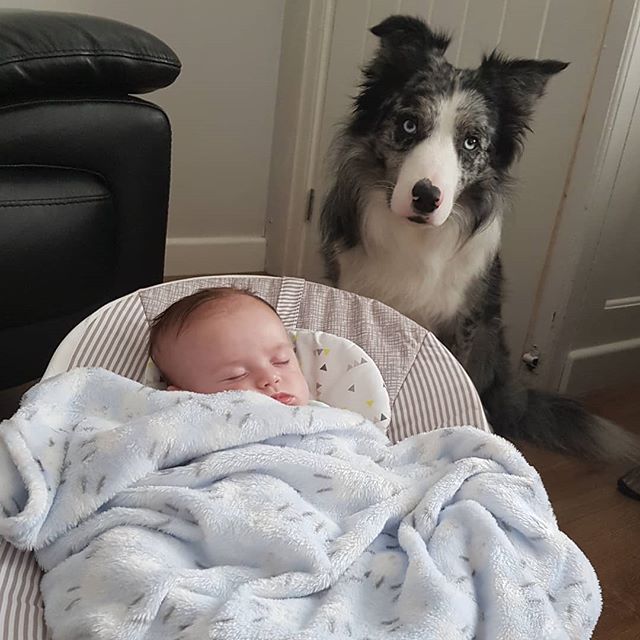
427,387
436,392
21,610
117,340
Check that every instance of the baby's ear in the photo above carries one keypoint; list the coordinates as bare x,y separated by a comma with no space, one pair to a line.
171,387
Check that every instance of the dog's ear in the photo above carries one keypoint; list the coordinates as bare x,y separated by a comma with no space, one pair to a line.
407,36
525,79
515,85
406,44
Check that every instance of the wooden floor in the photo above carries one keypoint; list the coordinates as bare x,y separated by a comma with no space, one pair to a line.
604,523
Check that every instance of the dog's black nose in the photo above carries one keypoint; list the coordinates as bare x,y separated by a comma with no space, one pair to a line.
426,196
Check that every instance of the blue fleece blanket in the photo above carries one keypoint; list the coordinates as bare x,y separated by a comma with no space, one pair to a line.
180,516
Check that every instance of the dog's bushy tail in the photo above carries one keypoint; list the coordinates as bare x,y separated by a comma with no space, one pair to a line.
562,424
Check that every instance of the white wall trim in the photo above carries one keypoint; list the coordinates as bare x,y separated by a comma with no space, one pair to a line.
615,363
622,303
214,255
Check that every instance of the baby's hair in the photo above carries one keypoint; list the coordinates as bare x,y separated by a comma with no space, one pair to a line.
176,316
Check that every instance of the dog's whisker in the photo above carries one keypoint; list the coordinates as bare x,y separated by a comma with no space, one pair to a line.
387,186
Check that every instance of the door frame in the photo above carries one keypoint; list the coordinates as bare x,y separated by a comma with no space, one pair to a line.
302,82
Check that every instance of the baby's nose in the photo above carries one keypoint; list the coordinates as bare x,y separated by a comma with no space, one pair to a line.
269,378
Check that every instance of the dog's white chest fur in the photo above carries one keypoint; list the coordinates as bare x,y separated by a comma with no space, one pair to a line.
421,271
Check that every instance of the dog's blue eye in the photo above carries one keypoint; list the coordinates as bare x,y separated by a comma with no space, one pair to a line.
470,143
409,126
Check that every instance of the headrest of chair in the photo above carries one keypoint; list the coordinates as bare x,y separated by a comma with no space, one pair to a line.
55,53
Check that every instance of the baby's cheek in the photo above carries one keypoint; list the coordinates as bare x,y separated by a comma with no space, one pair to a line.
238,385
303,389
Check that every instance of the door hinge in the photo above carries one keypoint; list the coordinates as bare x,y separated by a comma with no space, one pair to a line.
310,198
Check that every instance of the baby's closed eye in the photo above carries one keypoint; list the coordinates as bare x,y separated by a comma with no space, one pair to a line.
234,377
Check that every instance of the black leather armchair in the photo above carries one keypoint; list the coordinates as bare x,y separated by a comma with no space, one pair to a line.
84,175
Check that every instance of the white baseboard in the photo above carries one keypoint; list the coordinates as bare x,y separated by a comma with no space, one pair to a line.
602,366
216,255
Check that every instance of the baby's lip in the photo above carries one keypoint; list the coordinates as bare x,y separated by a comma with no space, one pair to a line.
285,398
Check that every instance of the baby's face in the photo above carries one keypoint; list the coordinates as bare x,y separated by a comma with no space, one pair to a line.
240,344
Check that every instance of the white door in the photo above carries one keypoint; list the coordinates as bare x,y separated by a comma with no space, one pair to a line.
569,30
605,346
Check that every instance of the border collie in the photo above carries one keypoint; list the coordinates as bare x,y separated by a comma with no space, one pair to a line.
414,215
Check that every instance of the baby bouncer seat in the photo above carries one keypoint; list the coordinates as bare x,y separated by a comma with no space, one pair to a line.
427,387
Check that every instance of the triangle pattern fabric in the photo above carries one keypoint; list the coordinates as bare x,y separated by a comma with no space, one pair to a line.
341,374
356,363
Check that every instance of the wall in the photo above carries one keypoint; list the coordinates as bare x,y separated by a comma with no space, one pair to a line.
222,112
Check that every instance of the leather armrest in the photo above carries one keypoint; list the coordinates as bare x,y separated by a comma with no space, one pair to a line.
127,142
43,52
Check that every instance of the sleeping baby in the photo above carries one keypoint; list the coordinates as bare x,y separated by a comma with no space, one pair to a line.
226,339
227,515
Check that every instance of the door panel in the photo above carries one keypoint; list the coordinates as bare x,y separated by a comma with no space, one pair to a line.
611,310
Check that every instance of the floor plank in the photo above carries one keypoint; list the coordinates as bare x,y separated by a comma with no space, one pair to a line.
603,523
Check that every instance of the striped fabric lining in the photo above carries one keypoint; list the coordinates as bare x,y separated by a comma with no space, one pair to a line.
156,299
436,393
21,607
288,306
427,386
116,340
